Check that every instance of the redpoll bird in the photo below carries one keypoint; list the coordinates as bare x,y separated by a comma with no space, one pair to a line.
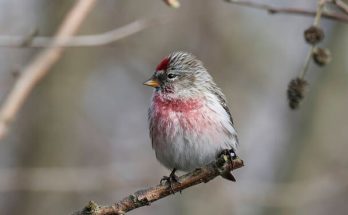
190,123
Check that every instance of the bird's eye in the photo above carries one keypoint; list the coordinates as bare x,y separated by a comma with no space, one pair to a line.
171,75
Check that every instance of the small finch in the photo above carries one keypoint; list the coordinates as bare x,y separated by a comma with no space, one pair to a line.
190,123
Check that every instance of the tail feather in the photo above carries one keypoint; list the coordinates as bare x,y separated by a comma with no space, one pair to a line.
228,176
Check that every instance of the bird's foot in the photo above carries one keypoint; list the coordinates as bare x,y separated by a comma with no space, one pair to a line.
230,153
171,180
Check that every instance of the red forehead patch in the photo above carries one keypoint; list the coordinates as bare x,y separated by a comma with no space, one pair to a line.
163,65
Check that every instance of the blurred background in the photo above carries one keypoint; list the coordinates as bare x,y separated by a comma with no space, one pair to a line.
82,134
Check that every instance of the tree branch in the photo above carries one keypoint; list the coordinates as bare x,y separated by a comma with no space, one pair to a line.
295,11
341,5
41,65
80,41
147,196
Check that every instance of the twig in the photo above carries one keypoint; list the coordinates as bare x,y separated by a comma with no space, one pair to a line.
307,62
313,35
316,23
287,10
29,38
341,5
146,197
81,41
172,3
40,66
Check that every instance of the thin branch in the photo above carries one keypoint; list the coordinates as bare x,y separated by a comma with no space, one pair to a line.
41,65
146,197
316,23
341,5
81,41
287,10
307,62
172,3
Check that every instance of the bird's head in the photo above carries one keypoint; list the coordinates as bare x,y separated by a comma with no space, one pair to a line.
180,75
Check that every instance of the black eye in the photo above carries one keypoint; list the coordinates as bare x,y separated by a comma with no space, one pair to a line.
171,75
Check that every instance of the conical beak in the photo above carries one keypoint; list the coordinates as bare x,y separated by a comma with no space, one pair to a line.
152,83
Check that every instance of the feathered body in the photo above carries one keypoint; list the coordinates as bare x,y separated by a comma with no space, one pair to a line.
188,118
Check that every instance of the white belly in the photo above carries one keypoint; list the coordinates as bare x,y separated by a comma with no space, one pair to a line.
186,153
186,142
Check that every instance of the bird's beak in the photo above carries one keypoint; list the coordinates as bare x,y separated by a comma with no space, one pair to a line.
152,83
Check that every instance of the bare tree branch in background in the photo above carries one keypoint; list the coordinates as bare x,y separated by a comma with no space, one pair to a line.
172,3
297,11
313,35
146,197
341,5
34,72
321,56
41,65
80,41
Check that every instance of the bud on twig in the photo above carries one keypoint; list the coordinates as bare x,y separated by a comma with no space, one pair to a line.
314,35
296,91
322,56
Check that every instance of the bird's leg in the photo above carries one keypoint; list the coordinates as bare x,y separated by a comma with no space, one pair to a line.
171,179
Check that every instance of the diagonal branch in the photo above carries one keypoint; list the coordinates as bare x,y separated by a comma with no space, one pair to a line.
41,65
287,10
146,197
341,6
80,41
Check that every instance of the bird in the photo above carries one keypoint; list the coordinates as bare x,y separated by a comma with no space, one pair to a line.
190,123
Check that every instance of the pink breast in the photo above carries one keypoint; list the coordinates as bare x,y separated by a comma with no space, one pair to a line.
176,105
190,115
